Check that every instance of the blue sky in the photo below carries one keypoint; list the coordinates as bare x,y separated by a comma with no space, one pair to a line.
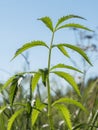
19,25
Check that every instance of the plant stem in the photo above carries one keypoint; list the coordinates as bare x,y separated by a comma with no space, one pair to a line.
48,85
30,99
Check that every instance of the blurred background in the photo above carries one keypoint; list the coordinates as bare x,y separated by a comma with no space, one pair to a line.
19,25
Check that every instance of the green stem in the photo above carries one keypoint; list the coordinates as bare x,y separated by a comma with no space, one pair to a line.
48,86
28,125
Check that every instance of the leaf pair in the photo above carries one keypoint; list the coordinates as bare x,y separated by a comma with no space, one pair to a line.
59,104
59,46
73,47
48,22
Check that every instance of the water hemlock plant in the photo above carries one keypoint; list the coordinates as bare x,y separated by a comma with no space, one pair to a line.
30,111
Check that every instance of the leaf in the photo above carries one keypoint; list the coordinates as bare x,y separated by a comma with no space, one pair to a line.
66,114
35,79
7,83
65,66
64,18
35,112
73,25
13,91
81,125
70,101
62,49
29,45
13,117
94,120
77,49
44,73
2,122
2,108
29,108
20,104
69,79
47,21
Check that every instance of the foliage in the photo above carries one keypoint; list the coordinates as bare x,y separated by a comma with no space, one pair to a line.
31,110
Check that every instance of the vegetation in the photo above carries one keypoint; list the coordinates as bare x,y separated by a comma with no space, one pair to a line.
75,110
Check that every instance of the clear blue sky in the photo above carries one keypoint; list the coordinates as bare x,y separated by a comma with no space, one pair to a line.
19,24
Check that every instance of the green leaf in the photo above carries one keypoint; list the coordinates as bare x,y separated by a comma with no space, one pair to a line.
66,114
35,112
7,83
29,45
94,120
2,122
44,73
70,101
69,79
13,117
2,108
20,104
64,18
73,25
62,49
65,66
81,125
29,108
47,21
35,80
77,49
13,91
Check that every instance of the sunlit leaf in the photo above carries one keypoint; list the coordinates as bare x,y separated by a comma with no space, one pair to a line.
36,112
35,80
69,79
47,21
2,109
62,49
73,25
13,117
66,114
70,101
13,91
29,45
64,18
65,66
7,83
77,49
